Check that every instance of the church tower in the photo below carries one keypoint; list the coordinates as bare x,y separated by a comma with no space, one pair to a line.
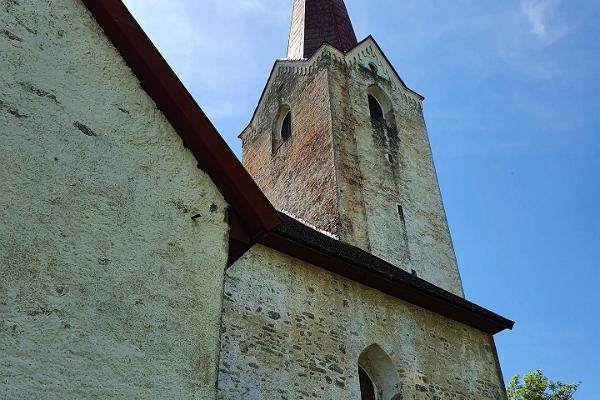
339,141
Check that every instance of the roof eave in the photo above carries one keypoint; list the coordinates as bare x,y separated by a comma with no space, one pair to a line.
300,241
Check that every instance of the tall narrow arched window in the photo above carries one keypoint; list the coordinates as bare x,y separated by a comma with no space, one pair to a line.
377,374
375,108
380,105
282,126
286,126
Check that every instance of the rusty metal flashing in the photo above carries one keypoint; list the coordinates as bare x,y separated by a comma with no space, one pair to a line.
300,241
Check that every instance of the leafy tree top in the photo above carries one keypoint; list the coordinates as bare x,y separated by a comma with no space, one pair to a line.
536,386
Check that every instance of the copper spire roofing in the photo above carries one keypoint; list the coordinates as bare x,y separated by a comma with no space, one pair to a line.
315,22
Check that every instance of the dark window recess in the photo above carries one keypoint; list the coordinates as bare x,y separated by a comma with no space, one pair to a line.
367,389
375,108
401,214
286,128
404,233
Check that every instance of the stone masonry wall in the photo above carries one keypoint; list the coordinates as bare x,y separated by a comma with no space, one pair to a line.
109,289
342,172
299,175
383,166
294,331
374,176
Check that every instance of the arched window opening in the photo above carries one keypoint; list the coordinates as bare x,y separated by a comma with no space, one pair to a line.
377,375
282,126
367,389
375,108
380,106
286,127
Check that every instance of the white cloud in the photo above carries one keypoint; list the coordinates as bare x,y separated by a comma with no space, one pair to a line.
528,30
543,20
172,31
535,11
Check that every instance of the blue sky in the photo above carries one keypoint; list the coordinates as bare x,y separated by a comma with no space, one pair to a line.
512,105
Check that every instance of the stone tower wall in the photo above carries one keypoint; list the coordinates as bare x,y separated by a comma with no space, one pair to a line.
108,289
381,166
345,174
294,331
299,175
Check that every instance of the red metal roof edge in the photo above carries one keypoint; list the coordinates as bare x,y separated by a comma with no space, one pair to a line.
197,132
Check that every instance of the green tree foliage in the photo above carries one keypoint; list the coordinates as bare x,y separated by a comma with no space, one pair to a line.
536,386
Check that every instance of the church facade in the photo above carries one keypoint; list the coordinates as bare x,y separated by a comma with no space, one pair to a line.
141,259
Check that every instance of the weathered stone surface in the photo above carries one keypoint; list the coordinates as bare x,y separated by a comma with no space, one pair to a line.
298,175
372,183
108,288
313,350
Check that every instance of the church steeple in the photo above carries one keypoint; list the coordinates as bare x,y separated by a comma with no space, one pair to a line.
317,21
340,142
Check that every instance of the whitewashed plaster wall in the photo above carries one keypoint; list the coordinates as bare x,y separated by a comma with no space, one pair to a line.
108,288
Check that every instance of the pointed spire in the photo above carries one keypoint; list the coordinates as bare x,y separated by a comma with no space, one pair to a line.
317,21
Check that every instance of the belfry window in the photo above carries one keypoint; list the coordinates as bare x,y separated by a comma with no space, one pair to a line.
282,127
380,108
286,127
375,108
